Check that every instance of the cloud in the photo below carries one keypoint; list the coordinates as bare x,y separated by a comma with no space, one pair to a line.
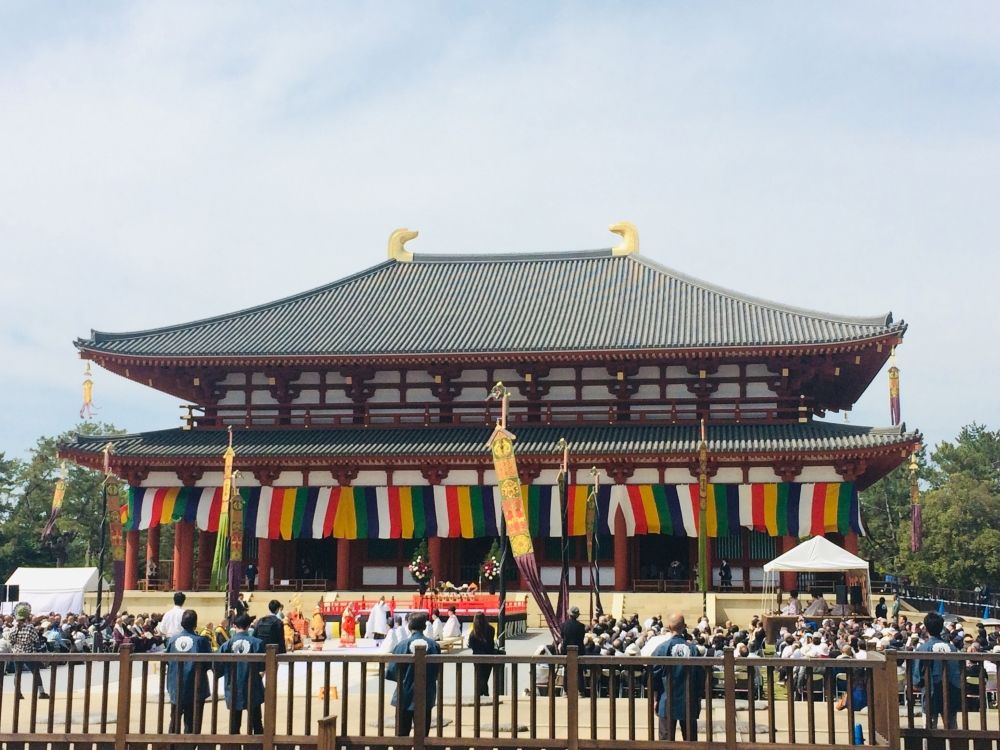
163,162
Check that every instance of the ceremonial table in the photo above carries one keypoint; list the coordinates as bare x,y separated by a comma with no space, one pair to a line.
466,606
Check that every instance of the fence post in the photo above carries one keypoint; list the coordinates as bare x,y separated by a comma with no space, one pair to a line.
729,692
327,733
571,684
890,714
420,727
124,695
270,695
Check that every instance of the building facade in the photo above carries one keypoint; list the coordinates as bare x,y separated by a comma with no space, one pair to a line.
359,421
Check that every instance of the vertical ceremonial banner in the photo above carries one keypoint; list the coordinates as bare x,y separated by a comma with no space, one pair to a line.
591,525
235,546
220,560
57,500
916,517
501,445
704,573
116,503
894,411
562,601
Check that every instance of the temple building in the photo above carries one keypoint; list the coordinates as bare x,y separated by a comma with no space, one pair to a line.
359,420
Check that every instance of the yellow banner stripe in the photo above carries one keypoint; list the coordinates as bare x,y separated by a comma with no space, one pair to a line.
771,508
287,496
169,500
830,507
649,509
465,512
711,516
406,512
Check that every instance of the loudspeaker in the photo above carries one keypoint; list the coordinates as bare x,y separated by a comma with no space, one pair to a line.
856,596
841,592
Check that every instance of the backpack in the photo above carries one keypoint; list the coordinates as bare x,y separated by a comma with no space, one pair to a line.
270,630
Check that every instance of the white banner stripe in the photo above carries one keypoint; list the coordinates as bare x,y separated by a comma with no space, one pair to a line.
382,508
555,513
805,508
146,511
746,505
441,511
263,512
687,510
322,506
204,512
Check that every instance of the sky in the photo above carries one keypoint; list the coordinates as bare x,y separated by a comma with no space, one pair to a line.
162,162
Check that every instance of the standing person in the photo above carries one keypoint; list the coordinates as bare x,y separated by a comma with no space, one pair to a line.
482,641
170,625
453,627
725,575
378,624
932,699
674,691
243,684
251,575
572,632
894,609
24,638
270,628
403,676
187,682
240,605
881,610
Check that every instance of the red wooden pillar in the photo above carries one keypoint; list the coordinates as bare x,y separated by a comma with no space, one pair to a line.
264,564
435,553
132,560
206,554
622,577
788,578
343,564
152,553
183,555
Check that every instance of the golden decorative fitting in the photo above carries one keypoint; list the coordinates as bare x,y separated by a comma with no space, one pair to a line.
397,242
630,238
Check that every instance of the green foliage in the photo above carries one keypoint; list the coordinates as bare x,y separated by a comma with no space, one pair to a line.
960,495
26,489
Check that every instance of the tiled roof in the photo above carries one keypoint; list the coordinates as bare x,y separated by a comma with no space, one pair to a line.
584,301
470,441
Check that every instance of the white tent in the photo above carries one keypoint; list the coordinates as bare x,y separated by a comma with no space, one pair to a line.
54,589
818,555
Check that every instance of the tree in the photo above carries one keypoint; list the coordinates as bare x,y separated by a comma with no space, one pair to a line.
976,453
884,507
961,549
26,503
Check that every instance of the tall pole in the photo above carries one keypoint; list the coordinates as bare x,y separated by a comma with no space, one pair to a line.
704,574
502,604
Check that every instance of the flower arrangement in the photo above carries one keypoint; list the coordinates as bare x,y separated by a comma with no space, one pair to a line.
490,568
420,564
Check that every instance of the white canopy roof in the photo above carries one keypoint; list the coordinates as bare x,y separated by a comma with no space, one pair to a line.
54,579
818,555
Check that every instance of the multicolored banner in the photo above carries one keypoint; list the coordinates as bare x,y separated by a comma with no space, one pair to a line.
463,511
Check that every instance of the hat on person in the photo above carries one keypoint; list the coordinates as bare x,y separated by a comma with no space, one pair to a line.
22,611
574,611
632,650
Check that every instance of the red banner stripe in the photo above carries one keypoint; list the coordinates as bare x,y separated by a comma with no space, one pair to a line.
216,511
274,519
454,516
818,509
638,511
395,519
759,524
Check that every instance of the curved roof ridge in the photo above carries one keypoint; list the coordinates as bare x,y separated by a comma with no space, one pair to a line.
872,320
244,311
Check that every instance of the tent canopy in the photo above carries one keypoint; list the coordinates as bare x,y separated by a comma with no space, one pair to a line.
54,589
818,555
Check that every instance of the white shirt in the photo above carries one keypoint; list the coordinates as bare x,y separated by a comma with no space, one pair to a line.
818,607
393,639
170,625
794,607
437,629
452,628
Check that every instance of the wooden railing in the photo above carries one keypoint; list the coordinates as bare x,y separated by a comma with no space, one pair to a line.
343,700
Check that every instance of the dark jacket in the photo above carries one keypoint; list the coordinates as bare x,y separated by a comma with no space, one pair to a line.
181,674
402,674
271,630
239,676
572,632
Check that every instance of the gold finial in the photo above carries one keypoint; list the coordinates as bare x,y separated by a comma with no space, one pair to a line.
630,238
397,242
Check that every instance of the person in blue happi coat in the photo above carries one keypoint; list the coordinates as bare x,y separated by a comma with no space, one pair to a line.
932,699
243,684
403,676
675,684
187,681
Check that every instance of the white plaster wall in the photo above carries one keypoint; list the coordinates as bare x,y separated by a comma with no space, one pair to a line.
307,397
649,372
261,396
337,396
595,392
759,369
161,479
215,479
385,396
321,479
417,395
727,390
386,376
461,477
677,390
407,477
819,474
678,476
233,398
366,478
258,378
728,475
234,378
288,479
561,392
419,376
645,476
756,390
727,371
763,474
307,378
335,378
595,373
648,391
561,373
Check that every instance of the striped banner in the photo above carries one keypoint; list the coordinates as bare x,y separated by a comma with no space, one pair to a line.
472,512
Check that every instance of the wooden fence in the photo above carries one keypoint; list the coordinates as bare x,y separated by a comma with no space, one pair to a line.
330,700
